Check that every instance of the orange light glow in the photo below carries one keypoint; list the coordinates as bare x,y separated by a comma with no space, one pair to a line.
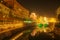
52,20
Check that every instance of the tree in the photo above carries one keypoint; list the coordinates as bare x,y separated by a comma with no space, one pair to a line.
58,10
58,14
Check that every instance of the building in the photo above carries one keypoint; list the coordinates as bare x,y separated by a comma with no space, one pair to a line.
19,10
4,12
12,10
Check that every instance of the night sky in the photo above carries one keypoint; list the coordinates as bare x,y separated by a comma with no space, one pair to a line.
42,7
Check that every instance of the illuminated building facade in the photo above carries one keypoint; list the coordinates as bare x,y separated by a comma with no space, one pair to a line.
12,10
19,10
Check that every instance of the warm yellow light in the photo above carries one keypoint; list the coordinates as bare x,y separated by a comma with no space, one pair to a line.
52,20
42,20
45,18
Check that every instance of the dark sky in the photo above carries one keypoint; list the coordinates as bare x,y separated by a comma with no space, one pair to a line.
42,7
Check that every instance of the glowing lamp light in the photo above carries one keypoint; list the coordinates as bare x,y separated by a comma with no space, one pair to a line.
52,20
28,21
45,18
